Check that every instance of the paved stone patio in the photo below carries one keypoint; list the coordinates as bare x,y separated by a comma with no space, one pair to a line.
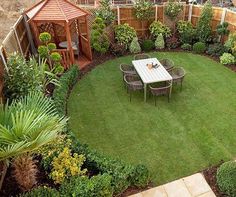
191,186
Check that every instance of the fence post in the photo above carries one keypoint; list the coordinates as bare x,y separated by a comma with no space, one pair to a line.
118,15
223,15
190,11
17,39
29,34
222,20
156,14
3,59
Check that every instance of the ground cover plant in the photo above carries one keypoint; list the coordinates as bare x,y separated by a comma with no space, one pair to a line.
193,131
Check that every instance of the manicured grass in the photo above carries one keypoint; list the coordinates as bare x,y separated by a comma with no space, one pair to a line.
195,130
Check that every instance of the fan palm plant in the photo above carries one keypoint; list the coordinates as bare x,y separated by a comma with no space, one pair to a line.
26,125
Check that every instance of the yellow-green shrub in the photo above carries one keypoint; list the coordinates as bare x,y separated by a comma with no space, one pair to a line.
66,165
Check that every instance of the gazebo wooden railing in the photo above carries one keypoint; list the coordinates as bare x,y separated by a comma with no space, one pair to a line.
66,59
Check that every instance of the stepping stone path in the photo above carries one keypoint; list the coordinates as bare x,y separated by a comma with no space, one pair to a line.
191,186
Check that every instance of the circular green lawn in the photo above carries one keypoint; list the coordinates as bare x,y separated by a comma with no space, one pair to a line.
195,130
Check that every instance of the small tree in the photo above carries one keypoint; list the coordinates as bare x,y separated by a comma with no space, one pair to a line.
135,46
46,50
172,11
204,23
99,38
105,13
143,10
160,43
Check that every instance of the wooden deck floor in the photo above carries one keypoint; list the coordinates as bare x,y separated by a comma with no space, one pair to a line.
82,61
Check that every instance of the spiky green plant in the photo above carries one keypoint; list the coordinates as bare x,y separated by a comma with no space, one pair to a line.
28,124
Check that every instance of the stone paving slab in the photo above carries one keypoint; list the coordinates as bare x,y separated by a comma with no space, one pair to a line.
196,184
191,186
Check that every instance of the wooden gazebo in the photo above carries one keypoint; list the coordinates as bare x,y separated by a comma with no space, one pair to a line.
67,23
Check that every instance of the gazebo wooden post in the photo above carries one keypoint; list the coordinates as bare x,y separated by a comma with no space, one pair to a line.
36,32
88,37
68,38
79,36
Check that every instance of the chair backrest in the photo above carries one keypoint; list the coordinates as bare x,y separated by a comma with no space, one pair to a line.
161,90
125,67
130,78
167,63
141,56
179,71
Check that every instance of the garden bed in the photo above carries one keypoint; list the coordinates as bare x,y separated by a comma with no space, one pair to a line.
210,176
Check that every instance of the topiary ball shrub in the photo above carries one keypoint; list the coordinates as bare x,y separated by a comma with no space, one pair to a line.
187,47
147,45
226,178
199,47
227,58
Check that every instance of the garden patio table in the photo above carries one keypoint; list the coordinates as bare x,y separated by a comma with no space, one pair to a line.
152,75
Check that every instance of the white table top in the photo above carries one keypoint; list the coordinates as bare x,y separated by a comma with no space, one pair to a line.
151,75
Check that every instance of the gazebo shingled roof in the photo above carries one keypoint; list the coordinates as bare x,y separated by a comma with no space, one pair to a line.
55,10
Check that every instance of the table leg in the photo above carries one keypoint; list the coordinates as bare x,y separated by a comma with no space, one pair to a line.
171,82
145,92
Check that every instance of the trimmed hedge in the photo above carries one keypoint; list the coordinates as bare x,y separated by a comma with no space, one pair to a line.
123,175
97,186
226,178
41,191
60,93
199,47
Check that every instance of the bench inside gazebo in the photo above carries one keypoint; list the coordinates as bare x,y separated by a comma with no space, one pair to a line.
67,23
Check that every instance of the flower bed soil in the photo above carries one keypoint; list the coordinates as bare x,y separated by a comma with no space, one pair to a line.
210,176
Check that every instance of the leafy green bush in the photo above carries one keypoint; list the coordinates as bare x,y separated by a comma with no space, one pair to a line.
226,178
143,9
173,9
187,47
41,191
160,43
60,93
134,46
199,47
105,12
147,45
227,58
123,175
157,27
186,31
204,23
99,39
222,29
216,49
141,176
230,42
124,34
21,77
97,186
